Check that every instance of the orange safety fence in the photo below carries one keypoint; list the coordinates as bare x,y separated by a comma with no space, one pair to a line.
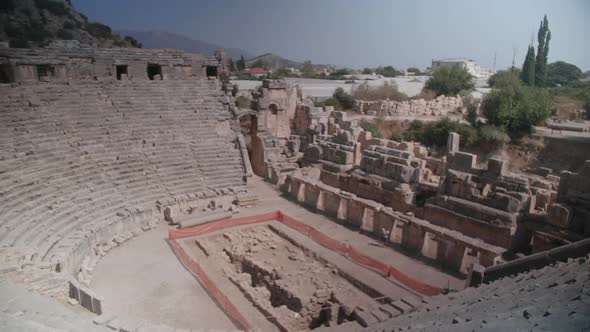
348,251
209,285
174,234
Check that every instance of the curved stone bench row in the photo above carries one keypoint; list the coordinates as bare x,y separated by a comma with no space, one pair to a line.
83,165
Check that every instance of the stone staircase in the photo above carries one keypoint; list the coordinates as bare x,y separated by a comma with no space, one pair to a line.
83,165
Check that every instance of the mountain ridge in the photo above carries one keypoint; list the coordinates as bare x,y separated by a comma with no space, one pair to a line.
164,39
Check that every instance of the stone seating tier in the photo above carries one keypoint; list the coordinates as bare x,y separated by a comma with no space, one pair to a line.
79,159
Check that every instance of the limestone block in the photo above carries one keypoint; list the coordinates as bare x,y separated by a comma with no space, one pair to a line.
559,215
463,161
497,167
453,143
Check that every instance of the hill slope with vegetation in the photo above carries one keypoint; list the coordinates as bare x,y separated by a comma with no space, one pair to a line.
35,23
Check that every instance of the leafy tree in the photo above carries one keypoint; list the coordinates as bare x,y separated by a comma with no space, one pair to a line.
562,73
543,38
388,71
503,78
241,64
344,99
340,72
517,108
450,81
367,71
528,68
231,64
415,70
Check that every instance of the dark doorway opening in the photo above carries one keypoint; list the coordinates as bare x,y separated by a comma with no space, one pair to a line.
45,71
211,71
121,70
6,74
153,70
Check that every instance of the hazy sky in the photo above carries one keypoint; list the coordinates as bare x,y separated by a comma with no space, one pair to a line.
359,33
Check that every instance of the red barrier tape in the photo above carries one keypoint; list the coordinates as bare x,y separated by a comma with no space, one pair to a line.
350,252
210,286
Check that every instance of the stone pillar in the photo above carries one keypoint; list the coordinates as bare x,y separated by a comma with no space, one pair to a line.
430,246
397,232
301,193
320,206
368,220
469,259
453,143
342,209
244,154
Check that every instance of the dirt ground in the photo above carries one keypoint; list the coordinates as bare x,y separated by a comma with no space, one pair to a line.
142,279
290,277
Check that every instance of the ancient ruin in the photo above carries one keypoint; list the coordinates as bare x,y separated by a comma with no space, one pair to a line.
101,147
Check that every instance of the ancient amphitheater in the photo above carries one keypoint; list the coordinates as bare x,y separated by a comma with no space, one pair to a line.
136,196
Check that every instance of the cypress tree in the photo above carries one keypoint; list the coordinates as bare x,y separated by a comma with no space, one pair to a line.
543,37
528,68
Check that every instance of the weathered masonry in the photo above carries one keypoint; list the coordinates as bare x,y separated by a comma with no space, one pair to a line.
56,63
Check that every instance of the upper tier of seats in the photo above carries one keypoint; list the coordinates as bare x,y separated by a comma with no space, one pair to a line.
554,298
75,158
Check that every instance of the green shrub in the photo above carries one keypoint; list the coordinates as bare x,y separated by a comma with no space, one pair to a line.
344,99
65,34
388,90
37,32
372,128
68,25
492,136
332,102
55,7
450,81
99,30
243,102
133,42
517,108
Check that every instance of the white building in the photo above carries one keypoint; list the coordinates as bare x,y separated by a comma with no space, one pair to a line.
481,74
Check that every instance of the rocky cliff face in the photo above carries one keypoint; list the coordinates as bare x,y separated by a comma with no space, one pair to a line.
33,23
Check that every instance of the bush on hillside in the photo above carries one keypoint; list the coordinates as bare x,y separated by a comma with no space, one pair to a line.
388,90
344,99
372,128
517,108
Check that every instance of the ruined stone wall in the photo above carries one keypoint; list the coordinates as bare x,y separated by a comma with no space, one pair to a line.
440,106
449,248
85,63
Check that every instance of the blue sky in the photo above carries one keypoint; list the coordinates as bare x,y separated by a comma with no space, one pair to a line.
359,33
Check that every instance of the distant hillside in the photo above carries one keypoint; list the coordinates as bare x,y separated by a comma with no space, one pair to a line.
30,23
273,61
158,39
